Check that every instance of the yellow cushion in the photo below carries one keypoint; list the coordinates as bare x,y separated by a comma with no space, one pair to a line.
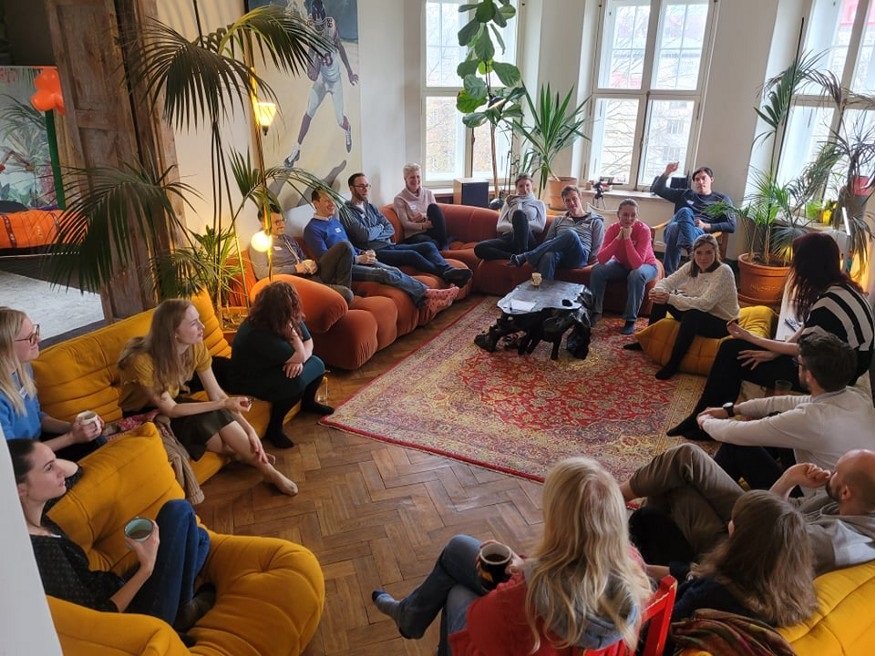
270,592
657,340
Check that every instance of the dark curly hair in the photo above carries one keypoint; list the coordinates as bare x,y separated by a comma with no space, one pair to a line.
816,266
277,309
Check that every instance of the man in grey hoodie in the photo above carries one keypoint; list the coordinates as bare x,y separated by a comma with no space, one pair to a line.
685,485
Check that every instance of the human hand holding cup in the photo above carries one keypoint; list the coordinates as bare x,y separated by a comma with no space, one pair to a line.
87,426
139,529
492,564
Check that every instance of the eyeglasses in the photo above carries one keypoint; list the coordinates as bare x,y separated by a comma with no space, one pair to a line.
362,186
33,338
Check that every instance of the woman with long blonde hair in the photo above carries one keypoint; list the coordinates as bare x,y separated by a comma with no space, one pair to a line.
154,371
20,412
583,587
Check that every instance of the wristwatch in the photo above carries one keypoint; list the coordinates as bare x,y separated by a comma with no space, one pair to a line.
729,406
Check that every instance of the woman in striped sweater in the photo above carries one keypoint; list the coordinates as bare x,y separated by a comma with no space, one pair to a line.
826,300
701,295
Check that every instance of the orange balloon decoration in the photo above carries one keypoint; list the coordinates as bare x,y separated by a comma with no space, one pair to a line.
48,91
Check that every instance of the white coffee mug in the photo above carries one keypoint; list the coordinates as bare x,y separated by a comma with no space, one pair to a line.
88,416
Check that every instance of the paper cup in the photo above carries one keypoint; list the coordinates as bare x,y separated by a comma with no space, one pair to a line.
139,529
536,279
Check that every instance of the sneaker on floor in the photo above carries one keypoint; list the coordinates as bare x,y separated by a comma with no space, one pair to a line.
436,300
666,372
628,328
458,277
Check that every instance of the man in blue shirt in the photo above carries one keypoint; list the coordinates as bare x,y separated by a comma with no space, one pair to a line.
690,219
325,230
368,228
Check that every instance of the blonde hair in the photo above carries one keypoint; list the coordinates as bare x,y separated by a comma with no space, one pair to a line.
10,323
583,565
767,562
171,368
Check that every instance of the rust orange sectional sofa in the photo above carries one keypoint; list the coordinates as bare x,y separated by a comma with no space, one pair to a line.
469,225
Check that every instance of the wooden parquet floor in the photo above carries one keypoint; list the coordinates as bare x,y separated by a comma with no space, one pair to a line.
375,514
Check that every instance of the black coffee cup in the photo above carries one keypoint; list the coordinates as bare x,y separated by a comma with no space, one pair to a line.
492,562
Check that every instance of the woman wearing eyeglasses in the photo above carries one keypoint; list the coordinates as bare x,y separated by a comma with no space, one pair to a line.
20,413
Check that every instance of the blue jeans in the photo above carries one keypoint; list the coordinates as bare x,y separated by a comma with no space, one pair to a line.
680,233
636,281
423,256
451,587
564,251
389,275
182,553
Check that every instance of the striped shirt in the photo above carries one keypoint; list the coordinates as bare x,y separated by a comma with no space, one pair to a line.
847,314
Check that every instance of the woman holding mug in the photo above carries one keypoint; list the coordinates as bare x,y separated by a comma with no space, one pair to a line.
824,299
169,559
272,358
701,295
154,371
20,413
583,587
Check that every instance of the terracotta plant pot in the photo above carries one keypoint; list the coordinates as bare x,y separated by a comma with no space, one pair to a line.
554,191
759,284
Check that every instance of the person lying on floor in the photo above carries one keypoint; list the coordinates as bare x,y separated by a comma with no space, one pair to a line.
781,430
20,412
272,358
689,502
583,587
169,559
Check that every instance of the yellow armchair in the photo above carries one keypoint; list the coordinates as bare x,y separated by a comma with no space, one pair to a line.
270,592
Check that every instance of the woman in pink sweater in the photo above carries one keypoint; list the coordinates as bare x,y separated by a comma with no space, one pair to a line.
626,253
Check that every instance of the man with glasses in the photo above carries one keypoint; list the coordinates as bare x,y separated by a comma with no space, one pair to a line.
334,267
368,228
778,431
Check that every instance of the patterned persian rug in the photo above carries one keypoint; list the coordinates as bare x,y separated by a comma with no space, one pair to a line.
519,414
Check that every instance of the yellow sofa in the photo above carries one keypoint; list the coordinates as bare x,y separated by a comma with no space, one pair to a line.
270,592
81,373
657,340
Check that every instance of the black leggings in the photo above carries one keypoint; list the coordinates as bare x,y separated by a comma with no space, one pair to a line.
438,231
658,538
759,466
519,240
692,323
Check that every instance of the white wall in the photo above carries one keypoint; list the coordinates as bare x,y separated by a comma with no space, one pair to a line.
25,623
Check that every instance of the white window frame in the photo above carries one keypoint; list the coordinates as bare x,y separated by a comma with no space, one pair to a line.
846,77
645,95
450,92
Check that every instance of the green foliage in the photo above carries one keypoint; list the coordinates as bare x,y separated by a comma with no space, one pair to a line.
480,35
197,83
555,125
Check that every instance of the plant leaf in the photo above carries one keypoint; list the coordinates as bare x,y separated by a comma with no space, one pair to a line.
467,104
485,11
466,68
469,32
507,73
475,87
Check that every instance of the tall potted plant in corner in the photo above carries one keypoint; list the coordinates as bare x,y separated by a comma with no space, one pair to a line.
195,83
555,125
481,100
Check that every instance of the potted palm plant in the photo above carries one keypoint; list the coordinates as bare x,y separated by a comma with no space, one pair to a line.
555,125
194,84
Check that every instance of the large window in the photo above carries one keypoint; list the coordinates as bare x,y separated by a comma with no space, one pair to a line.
451,150
842,33
648,87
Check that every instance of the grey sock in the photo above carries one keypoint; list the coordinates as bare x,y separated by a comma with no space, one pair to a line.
387,604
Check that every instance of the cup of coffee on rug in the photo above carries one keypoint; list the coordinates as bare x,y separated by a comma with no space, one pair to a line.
139,529
492,562
536,279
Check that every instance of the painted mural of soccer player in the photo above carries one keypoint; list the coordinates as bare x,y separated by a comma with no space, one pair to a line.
325,73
